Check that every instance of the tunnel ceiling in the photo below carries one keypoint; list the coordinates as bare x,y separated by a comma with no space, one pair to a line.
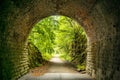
25,14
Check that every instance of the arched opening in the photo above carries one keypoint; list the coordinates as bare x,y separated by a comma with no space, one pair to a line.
58,35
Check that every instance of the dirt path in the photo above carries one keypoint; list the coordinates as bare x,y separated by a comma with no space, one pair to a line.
58,70
59,66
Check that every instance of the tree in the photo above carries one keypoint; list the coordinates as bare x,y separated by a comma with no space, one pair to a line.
60,34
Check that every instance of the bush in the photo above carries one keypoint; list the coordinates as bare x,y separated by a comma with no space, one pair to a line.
81,67
35,57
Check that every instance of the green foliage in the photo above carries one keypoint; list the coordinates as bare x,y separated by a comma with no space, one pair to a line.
71,42
81,67
35,58
65,56
47,56
60,34
42,36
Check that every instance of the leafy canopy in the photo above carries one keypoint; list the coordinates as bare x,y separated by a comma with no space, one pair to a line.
59,34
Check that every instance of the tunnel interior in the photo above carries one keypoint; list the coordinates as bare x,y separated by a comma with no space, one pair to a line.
99,18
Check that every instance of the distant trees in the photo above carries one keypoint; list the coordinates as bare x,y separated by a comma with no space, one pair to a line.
42,35
60,34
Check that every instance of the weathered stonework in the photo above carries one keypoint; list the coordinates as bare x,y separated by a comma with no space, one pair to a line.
99,18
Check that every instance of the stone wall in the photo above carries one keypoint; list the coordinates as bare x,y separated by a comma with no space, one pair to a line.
13,62
104,53
35,56
99,18
13,53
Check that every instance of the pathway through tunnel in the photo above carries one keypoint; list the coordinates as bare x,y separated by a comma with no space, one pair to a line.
58,70
59,66
57,45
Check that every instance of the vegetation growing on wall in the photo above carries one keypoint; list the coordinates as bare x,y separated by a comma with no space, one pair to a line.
35,57
71,42
60,35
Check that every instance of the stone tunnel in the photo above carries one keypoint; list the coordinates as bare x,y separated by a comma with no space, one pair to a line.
99,18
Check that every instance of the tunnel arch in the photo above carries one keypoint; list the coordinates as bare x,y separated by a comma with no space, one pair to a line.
99,21
80,41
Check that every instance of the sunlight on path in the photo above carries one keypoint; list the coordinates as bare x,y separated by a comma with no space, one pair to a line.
59,66
58,70
56,59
